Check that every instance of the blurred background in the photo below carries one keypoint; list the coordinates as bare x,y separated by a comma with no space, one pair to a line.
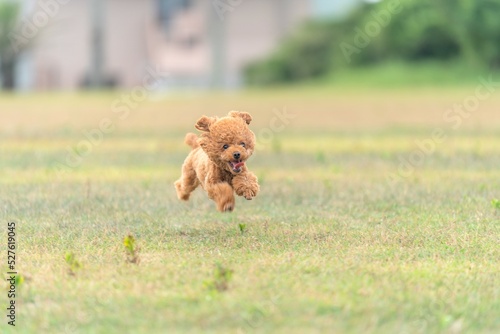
77,44
62,45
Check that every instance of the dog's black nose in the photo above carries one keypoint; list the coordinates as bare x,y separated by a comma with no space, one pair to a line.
236,155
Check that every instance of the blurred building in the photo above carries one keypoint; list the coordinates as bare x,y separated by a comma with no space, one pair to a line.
198,43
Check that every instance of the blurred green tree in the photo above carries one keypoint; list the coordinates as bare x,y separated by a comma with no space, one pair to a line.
8,22
466,30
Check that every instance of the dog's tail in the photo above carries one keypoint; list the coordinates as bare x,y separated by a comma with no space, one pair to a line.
192,140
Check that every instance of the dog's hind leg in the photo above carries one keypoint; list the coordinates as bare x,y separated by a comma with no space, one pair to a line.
187,183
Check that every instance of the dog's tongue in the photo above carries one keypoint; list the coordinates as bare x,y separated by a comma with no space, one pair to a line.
238,165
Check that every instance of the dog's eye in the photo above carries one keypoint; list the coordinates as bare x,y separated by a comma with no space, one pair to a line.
242,144
225,146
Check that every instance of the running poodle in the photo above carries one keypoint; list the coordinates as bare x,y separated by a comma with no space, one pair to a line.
217,160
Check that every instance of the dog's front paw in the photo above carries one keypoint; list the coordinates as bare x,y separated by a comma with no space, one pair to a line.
250,192
246,185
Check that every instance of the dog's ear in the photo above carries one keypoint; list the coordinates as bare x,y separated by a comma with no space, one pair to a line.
246,116
204,123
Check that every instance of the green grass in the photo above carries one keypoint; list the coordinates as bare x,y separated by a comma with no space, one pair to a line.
399,74
329,245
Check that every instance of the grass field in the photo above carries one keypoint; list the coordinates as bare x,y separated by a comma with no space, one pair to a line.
343,238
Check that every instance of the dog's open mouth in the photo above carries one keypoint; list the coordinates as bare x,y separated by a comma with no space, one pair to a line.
236,165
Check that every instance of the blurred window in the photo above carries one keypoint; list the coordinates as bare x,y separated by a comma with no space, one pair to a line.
168,8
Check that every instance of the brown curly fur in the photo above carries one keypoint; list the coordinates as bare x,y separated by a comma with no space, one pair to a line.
212,166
